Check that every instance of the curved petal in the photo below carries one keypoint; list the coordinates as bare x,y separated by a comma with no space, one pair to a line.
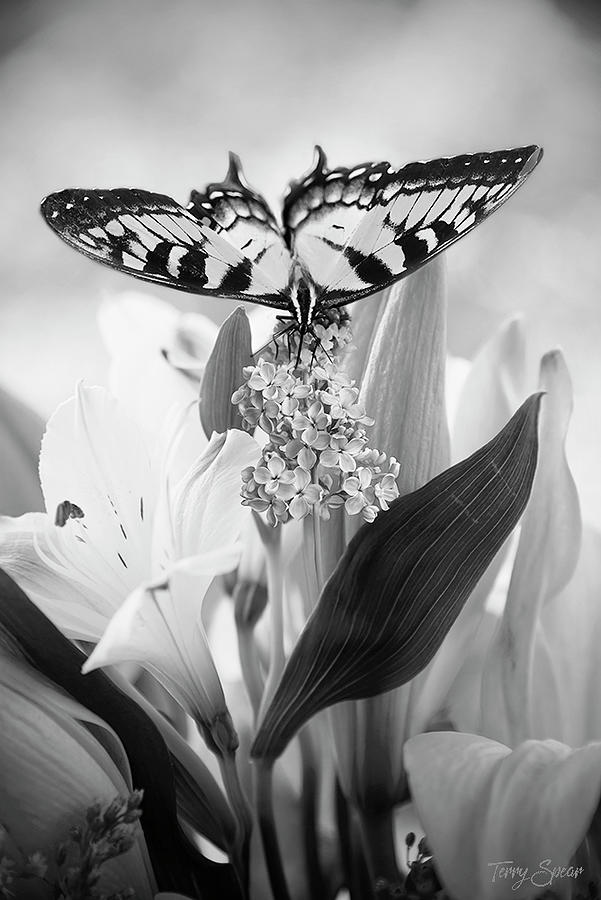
207,513
481,804
33,552
44,741
546,557
160,627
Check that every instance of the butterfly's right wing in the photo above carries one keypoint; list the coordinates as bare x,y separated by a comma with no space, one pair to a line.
152,237
359,230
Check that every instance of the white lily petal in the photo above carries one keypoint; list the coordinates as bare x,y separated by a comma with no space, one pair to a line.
94,456
207,513
35,552
161,628
481,804
492,390
546,557
43,743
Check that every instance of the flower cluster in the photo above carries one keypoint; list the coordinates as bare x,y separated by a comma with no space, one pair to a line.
108,832
316,458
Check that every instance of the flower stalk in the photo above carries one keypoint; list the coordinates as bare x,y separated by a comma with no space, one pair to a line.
267,827
377,833
310,814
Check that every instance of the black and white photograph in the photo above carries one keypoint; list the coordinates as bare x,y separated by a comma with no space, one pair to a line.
300,430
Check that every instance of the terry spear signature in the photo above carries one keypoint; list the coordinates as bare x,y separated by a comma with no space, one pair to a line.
544,876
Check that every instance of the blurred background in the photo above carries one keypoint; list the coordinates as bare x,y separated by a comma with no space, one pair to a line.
153,94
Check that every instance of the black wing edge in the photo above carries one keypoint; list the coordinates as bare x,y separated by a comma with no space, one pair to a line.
532,153
55,209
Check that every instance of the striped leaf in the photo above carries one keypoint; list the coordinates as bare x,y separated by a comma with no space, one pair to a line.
403,581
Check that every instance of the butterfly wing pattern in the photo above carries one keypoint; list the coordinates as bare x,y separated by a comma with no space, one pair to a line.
359,230
345,233
152,237
245,219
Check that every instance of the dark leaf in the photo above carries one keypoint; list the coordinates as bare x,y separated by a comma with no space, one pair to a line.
177,865
403,581
223,374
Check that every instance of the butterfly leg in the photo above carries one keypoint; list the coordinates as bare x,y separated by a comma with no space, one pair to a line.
318,345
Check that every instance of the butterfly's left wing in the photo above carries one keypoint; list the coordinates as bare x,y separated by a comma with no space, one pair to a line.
241,215
152,237
359,230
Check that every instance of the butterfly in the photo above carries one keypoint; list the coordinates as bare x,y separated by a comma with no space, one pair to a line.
344,233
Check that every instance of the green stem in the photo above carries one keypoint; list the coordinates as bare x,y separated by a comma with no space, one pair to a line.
267,827
275,590
310,815
377,832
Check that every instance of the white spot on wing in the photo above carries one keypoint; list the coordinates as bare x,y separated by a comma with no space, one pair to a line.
393,256
215,270
115,228
173,260
98,232
429,236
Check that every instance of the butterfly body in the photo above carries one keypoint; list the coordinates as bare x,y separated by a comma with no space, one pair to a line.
344,233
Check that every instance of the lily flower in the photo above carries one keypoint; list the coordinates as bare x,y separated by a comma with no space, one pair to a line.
127,534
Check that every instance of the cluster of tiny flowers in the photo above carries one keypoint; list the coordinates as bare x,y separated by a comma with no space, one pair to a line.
109,832
316,457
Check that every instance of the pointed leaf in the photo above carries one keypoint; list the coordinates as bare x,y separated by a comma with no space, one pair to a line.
223,374
402,582
177,865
